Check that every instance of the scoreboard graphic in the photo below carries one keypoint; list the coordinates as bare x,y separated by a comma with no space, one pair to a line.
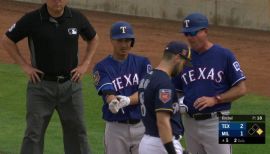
242,129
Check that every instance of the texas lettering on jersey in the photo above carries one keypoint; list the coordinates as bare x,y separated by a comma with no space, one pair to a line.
213,72
124,81
202,74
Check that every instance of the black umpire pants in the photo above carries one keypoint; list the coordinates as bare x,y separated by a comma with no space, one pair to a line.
42,99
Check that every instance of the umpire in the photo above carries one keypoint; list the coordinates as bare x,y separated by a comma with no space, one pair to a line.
53,31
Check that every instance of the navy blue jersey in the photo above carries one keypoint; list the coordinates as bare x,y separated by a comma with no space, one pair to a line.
123,78
214,72
157,94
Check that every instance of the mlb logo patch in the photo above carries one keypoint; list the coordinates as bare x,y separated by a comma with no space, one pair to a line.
12,27
72,31
165,95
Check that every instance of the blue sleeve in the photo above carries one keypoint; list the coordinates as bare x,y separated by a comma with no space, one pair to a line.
147,67
164,96
177,83
101,79
234,73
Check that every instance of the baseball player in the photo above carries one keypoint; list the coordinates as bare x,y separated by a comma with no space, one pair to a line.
209,87
117,79
159,105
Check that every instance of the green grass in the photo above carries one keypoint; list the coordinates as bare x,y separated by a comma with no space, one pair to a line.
12,116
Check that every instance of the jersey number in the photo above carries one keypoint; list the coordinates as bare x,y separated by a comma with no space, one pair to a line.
143,108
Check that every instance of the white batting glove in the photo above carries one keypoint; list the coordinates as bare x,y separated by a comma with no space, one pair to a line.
182,107
114,106
123,101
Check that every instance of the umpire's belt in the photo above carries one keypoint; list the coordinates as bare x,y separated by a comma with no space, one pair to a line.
204,116
129,121
56,78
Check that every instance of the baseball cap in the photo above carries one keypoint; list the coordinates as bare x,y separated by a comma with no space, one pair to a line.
194,22
121,30
180,48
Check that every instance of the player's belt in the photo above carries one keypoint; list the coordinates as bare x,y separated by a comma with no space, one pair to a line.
176,137
204,116
129,121
58,78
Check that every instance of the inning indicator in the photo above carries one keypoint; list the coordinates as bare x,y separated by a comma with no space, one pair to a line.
242,129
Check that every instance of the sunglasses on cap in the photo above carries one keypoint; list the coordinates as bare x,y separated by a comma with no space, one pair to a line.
194,33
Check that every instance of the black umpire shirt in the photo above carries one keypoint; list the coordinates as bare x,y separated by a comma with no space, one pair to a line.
53,42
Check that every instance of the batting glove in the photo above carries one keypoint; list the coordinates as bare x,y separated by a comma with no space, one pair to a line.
183,108
114,106
123,101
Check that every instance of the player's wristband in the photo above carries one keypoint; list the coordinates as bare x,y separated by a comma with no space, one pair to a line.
170,148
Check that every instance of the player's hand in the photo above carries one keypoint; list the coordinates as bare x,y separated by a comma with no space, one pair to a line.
78,72
182,107
32,73
204,102
114,106
123,101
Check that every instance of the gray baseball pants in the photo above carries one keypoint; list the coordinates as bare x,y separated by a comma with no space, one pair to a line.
201,136
42,99
123,138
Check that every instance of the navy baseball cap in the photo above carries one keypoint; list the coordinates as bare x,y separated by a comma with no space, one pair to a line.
180,48
194,22
121,30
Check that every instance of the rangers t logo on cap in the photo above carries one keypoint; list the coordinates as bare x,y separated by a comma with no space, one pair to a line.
123,28
186,23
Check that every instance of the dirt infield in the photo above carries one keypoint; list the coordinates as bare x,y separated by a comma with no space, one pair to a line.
251,47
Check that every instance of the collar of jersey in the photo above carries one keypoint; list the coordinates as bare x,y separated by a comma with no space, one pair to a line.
158,70
44,15
117,61
203,53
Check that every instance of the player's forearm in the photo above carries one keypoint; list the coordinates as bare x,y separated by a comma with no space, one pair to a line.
13,51
234,93
164,127
90,50
134,98
165,131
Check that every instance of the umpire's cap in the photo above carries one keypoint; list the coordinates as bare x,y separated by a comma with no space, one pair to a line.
177,47
194,22
122,30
